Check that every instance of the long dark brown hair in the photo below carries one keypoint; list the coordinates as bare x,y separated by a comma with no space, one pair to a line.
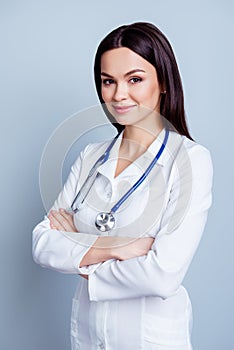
149,42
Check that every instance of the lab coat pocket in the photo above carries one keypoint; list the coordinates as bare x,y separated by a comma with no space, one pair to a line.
74,321
169,333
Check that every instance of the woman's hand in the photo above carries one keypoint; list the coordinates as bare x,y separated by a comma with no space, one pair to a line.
137,247
85,276
61,221
122,249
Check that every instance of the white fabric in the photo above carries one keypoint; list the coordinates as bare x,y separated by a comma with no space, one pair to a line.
137,303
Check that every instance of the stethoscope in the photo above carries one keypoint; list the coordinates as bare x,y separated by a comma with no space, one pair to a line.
105,221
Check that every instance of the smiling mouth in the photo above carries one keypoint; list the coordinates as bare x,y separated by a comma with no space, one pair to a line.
123,109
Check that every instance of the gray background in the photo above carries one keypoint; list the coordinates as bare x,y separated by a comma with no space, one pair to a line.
47,50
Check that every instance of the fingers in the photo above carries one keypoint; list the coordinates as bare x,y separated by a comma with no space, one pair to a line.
54,223
150,241
69,219
85,276
61,220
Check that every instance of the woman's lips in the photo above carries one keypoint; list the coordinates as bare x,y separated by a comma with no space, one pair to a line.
123,109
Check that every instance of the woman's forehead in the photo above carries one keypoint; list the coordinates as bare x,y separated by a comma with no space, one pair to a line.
123,60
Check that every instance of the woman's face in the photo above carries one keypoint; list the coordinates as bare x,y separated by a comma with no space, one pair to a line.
129,87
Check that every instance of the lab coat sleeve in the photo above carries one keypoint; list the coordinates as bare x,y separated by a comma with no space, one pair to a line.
161,271
59,250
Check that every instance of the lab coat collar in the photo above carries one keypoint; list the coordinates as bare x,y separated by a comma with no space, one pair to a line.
109,167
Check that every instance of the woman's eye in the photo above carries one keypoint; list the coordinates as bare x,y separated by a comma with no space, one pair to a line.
107,81
135,80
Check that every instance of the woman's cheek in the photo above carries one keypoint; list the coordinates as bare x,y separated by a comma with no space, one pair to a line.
106,95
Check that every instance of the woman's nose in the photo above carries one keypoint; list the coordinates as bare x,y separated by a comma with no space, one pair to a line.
121,92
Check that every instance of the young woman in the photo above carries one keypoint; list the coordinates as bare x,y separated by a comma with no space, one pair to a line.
132,212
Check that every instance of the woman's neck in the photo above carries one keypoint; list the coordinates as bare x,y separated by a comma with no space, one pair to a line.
136,140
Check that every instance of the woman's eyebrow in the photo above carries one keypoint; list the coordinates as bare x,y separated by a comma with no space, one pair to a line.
126,74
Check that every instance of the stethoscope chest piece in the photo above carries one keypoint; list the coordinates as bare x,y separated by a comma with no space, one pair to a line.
105,221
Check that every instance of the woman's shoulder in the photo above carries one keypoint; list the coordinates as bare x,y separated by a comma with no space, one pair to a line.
198,152
187,153
190,146
96,147
93,150
199,157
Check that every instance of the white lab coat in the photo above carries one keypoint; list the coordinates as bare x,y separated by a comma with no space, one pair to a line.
138,303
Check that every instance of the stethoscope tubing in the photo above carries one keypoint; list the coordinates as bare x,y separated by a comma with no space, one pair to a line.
104,157
143,177
101,160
